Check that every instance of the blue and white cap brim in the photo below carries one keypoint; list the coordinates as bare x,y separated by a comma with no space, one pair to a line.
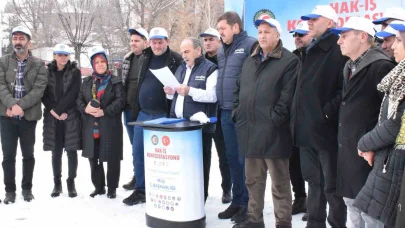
300,31
381,20
61,52
310,16
258,22
340,30
384,34
398,27
157,37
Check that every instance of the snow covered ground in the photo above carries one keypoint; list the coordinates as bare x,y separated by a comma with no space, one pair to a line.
84,211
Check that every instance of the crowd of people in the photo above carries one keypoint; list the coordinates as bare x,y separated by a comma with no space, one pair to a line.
330,113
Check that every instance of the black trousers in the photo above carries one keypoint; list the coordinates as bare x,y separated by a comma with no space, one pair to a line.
207,144
57,156
97,170
319,169
297,181
13,129
223,161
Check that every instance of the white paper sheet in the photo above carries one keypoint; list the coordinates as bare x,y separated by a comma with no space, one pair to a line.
166,77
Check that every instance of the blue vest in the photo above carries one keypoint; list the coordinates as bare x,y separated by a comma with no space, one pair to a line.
202,69
230,62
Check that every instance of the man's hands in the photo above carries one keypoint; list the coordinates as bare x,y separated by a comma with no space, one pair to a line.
96,112
368,156
16,110
64,116
182,90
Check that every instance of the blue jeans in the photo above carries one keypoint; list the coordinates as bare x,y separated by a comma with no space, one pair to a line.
137,149
235,159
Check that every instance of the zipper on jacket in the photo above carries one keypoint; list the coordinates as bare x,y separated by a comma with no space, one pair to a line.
386,160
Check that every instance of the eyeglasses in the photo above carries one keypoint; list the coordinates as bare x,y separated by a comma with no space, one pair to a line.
298,34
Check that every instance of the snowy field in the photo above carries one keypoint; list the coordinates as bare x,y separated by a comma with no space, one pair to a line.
84,211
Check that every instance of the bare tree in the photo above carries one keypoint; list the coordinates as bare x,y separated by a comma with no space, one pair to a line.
149,10
77,17
37,16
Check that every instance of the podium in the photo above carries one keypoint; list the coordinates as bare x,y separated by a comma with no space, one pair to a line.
174,178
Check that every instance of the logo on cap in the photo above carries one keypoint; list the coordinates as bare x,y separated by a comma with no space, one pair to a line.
263,14
156,32
62,47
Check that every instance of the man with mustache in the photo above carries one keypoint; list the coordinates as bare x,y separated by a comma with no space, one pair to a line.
150,100
22,84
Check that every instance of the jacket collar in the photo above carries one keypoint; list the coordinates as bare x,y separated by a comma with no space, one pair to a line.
276,53
236,38
197,62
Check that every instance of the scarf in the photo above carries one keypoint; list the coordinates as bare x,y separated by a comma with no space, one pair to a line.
97,94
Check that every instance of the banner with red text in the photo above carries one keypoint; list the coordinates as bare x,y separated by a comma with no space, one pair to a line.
289,12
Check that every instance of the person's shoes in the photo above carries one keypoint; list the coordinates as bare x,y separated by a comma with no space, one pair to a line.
226,197
111,193
305,217
97,191
240,216
71,188
249,224
27,195
299,206
10,197
57,190
229,212
130,185
137,197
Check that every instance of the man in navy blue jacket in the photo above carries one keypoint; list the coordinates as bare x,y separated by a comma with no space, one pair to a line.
236,48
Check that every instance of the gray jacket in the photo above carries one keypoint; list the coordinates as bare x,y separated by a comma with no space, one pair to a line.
35,82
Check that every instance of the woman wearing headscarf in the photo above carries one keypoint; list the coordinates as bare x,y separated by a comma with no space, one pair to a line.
384,147
61,129
101,102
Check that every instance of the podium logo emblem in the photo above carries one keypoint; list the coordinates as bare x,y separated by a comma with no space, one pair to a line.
155,140
166,140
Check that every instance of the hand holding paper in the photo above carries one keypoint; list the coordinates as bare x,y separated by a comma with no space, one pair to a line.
166,77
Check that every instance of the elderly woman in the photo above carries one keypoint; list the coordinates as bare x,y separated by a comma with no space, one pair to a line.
101,101
384,146
61,117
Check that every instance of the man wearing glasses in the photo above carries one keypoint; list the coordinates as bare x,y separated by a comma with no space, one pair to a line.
301,39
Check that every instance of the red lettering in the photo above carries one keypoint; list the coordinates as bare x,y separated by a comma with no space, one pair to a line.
335,6
354,6
367,16
340,22
344,8
373,5
377,15
291,24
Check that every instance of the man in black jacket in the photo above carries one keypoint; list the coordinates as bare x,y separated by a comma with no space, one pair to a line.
150,100
314,118
212,43
302,40
261,108
362,73
130,71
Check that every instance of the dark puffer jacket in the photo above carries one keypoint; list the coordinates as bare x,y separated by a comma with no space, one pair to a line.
379,196
67,104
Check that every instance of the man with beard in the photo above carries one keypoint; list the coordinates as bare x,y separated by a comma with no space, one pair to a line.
130,69
388,36
22,83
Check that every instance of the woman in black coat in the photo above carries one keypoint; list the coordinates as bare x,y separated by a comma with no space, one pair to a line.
101,101
61,118
383,148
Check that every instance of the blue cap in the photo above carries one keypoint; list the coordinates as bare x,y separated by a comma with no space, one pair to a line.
340,30
299,31
398,27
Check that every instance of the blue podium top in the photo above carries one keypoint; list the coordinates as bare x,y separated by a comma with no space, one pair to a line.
184,125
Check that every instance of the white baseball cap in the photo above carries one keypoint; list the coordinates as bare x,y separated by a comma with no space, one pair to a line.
392,13
61,49
388,31
22,29
324,11
210,32
302,28
139,31
158,33
272,22
356,23
398,25
96,50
